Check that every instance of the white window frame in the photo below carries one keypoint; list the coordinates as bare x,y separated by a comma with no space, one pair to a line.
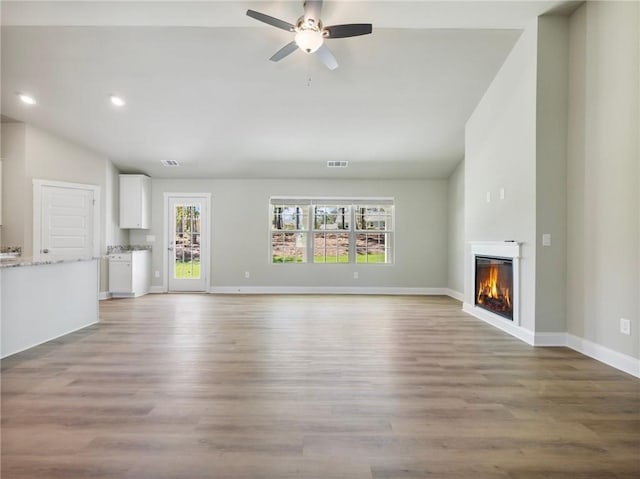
352,203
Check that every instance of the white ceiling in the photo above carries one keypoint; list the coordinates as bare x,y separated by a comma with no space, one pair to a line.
200,89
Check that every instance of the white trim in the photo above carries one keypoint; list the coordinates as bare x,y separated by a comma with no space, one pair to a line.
454,294
623,362
102,295
157,290
273,200
620,361
504,249
37,211
503,324
326,290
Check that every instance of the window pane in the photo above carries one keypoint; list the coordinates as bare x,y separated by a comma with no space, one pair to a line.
289,217
331,248
187,242
373,248
374,217
288,247
328,217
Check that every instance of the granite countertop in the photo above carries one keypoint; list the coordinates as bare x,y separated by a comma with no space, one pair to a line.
127,248
32,261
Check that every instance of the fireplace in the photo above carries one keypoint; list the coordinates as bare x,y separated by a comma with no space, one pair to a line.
494,285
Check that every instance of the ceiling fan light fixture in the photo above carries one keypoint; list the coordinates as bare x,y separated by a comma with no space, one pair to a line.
309,40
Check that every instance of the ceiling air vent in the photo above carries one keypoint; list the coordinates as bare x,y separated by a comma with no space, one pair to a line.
170,163
337,164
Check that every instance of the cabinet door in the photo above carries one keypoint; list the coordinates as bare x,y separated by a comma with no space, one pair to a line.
120,277
135,201
130,201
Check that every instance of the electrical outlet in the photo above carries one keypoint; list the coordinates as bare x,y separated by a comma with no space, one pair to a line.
355,275
151,239
247,274
546,239
625,326
157,274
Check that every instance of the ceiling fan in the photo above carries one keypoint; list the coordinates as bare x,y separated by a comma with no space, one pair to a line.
310,33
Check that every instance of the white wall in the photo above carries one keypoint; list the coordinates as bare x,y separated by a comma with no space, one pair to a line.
456,238
240,233
37,154
14,183
500,152
603,175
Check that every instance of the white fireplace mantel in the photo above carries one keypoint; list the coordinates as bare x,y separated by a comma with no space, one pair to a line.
498,249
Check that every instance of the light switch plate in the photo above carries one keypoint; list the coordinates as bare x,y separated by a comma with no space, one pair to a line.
151,239
546,239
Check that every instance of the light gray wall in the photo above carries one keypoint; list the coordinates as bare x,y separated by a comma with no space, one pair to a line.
48,157
13,183
551,172
603,179
456,230
500,152
240,233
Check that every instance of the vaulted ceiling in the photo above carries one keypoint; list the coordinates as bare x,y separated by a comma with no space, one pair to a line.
200,89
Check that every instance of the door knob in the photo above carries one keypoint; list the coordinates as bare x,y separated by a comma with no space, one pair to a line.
45,250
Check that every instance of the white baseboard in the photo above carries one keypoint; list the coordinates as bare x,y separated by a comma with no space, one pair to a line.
324,290
623,362
157,290
454,294
505,325
102,295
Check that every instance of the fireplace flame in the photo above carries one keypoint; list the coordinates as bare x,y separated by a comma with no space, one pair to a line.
491,288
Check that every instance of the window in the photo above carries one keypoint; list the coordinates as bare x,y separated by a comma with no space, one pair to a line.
331,230
289,233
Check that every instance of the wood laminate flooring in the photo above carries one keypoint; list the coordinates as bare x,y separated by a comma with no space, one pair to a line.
326,387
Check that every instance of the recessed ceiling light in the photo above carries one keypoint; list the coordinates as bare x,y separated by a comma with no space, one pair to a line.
117,101
27,99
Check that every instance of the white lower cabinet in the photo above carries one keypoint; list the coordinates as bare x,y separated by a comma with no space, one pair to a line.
129,274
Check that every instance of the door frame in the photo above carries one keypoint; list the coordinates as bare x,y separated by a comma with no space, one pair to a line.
38,184
205,265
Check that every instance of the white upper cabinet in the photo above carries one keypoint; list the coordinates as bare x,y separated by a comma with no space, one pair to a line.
135,201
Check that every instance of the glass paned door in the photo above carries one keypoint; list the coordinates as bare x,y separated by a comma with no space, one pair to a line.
187,243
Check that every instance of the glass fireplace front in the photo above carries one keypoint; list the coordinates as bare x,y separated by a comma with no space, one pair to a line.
494,285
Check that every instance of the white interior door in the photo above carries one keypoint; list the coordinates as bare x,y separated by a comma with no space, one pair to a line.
188,242
66,222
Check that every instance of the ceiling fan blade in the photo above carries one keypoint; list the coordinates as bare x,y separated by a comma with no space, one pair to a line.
288,49
327,57
312,9
271,20
349,30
